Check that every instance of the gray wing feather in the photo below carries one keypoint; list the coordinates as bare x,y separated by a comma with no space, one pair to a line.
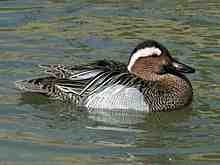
69,72
80,80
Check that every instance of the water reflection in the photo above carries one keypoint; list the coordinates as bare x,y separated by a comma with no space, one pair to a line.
129,130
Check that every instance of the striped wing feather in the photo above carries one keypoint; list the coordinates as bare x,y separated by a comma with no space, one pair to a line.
78,80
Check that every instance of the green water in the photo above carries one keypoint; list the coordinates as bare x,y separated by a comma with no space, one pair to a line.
34,130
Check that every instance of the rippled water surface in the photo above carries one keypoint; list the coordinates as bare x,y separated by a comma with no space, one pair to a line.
35,130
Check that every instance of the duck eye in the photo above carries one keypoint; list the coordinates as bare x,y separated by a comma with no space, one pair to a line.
154,55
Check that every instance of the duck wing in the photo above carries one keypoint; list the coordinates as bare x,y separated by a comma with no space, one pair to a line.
75,80
82,71
93,76
69,72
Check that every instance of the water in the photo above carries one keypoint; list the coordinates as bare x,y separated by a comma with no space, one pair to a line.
35,130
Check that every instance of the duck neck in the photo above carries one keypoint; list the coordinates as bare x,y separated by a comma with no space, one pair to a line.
147,74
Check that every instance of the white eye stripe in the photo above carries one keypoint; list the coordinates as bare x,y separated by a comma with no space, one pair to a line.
146,52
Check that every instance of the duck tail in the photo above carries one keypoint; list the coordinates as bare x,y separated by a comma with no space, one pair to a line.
39,85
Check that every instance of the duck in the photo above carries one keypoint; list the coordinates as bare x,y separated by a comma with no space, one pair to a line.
151,81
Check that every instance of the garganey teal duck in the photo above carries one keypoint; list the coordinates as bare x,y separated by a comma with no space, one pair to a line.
151,81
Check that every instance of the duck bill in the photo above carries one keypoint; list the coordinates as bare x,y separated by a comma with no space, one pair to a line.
180,67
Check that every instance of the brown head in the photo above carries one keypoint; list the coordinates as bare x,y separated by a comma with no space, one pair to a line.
150,60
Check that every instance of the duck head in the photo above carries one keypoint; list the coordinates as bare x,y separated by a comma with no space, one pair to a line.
150,60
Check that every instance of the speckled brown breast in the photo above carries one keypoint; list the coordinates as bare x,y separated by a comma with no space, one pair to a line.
170,93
